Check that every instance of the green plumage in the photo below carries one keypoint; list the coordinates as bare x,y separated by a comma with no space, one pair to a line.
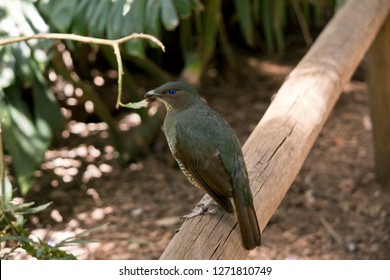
209,154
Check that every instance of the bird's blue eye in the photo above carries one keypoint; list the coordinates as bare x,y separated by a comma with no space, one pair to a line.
172,91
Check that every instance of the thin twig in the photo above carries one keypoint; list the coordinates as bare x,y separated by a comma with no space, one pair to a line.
332,231
302,23
118,56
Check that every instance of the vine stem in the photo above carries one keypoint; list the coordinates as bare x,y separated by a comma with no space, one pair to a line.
90,40
84,39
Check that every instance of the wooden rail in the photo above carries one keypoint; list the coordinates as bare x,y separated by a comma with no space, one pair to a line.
278,146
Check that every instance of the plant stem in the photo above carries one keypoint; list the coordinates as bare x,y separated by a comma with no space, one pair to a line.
83,39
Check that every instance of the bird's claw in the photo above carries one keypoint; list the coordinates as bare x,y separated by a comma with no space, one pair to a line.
202,208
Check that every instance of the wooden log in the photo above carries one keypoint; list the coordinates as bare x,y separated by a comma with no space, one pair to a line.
378,68
279,144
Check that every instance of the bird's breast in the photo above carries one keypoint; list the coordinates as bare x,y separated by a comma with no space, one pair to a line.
170,133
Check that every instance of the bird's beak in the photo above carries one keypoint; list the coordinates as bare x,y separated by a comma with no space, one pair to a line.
150,93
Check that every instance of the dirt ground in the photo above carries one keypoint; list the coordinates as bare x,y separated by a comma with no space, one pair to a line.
334,209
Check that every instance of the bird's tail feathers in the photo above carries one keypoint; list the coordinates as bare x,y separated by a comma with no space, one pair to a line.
247,222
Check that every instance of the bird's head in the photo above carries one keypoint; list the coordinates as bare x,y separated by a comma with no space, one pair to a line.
175,95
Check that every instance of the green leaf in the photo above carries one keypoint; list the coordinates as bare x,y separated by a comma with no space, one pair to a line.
245,18
134,23
34,21
101,10
21,138
48,117
212,17
79,25
115,21
60,12
278,24
7,65
15,238
27,138
33,210
184,8
267,25
22,52
169,15
24,205
196,5
256,11
152,15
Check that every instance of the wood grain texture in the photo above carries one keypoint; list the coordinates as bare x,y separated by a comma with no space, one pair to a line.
278,146
378,66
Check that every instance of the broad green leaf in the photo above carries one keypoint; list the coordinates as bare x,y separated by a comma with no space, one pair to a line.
99,19
267,25
79,25
34,21
134,23
60,12
152,16
212,12
7,65
47,114
278,24
115,21
21,138
25,137
245,18
256,11
169,15
183,8
22,53
48,118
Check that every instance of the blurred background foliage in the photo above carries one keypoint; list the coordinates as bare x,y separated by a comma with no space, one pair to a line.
193,31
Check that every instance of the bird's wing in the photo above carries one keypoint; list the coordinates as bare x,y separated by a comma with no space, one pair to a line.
199,151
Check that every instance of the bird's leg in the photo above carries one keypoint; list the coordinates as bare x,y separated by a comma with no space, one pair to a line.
206,206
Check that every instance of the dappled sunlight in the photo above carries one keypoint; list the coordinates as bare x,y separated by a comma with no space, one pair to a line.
85,129
89,107
136,166
56,216
67,163
129,121
98,81
94,171
153,108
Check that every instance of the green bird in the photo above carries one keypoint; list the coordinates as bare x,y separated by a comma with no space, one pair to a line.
209,154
